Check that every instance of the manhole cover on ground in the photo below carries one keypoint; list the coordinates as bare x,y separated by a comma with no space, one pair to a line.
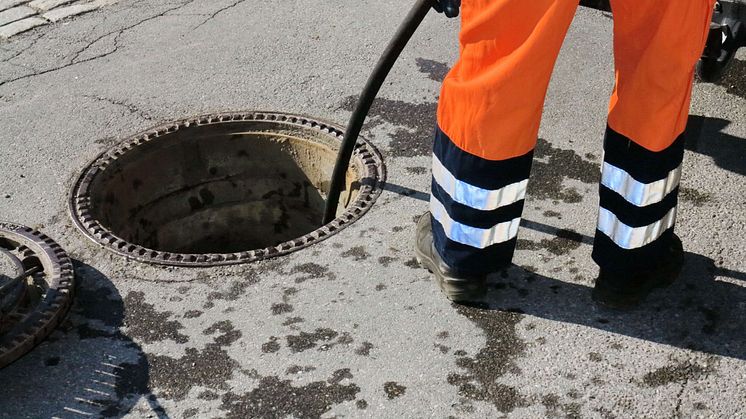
36,289
222,189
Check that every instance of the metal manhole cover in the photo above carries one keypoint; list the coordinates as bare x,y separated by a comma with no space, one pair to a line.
36,289
222,189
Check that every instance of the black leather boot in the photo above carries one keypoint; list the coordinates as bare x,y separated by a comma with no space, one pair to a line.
625,290
458,288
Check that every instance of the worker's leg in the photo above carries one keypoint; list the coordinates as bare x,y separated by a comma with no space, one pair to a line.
488,116
657,43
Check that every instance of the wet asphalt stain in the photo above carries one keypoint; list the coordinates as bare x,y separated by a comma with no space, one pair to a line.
478,381
281,308
380,287
385,261
414,122
552,214
364,349
309,340
358,253
556,409
229,333
297,369
416,170
277,398
563,243
190,413
192,314
546,182
595,357
361,404
435,70
312,271
208,395
679,372
394,390
271,346
695,197
412,263
210,367
235,291
148,325
734,78
292,320
442,348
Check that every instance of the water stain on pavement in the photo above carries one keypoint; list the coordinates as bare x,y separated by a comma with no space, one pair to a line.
679,372
275,398
312,271
435,70
309,340
229,332
546,183
697,198
210,367
271,346
414,122
563,243
145,323
478,381
358,253
364,349
394,390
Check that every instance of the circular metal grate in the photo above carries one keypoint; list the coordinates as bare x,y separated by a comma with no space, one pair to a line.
192,142
35,294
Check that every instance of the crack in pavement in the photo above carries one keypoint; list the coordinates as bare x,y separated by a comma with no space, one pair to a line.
134,110
117,33
217,12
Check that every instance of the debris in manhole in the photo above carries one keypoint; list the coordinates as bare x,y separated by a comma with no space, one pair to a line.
36,289
221,189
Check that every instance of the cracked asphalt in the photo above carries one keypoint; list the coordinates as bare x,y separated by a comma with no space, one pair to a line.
351,327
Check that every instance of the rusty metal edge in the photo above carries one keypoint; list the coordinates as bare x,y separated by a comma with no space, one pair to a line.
366,154
50,312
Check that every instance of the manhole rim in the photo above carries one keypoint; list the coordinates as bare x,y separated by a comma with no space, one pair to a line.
49,313
366,153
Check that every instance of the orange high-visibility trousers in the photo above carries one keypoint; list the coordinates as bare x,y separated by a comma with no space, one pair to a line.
490,110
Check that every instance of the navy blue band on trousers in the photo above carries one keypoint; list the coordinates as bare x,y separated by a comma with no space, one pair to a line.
638,203
476,207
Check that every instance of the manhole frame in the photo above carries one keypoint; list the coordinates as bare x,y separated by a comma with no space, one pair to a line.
35,325
79,199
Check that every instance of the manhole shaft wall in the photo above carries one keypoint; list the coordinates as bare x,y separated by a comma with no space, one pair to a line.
367,160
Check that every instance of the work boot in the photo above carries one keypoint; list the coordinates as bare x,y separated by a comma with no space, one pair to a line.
622,290
457,287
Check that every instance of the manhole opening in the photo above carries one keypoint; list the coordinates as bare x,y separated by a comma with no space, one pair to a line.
222,189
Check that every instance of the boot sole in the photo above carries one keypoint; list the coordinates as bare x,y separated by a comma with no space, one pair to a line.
455,293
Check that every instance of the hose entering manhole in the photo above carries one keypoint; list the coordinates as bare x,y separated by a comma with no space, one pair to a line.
222,189
238,187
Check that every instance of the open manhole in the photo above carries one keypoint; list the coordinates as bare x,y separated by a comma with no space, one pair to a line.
36,287
222,189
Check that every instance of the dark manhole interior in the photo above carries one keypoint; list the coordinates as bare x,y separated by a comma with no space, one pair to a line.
222,189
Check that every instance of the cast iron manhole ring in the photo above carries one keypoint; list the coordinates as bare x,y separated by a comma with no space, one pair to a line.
49,276
367,161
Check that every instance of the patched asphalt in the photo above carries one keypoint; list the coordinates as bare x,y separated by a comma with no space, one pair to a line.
351,326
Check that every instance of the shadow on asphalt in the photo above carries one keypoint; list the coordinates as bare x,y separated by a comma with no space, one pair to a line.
705,136
86,368
698,312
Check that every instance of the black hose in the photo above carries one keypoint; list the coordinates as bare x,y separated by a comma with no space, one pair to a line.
385,63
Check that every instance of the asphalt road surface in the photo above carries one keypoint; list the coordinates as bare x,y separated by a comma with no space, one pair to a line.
351,327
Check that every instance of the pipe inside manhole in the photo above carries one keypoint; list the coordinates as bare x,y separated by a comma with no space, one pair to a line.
222,189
